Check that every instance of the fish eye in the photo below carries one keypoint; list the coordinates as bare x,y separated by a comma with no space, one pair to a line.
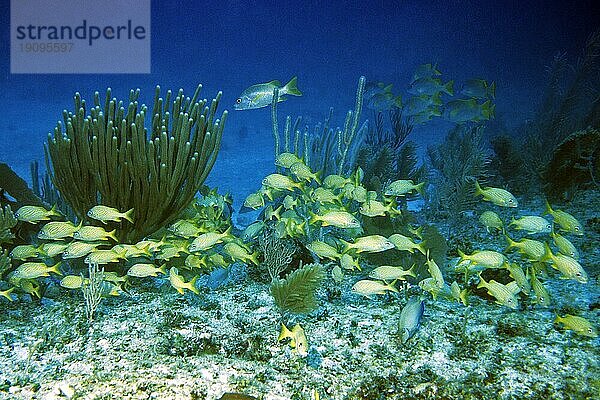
238,101
577,229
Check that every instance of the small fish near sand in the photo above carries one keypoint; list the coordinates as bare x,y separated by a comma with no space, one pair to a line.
298,340
261,95
369,288
579,325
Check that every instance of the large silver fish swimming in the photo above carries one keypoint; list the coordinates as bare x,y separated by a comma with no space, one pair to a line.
261,95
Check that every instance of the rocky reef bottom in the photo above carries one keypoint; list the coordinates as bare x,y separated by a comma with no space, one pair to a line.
159,345
153,343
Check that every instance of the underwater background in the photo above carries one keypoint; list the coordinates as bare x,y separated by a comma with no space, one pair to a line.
510,112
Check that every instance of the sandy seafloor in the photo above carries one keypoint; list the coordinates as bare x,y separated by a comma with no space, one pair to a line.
156,344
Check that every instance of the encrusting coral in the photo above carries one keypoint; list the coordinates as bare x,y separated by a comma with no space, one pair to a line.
105,155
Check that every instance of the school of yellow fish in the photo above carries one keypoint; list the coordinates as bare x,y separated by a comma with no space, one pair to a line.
188,248
325,214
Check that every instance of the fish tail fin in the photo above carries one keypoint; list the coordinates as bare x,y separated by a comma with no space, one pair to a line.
128,215
548,252
478,189
146,250
411,271
56,268
7,293
449,88
511,243
418,232
488,110
254,258
422,247
420,188
38,291
54,211
313,217
318,175
481,283
121,254
392,286
398,101
192,285
548,209
462,255
291,87
346,246
285,333
464,297
493,111
491,90
113,235
163,269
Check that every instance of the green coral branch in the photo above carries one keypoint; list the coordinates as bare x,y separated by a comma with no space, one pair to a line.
108,156
296,293
330,150
7,222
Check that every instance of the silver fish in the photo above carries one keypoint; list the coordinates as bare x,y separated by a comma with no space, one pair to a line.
410,318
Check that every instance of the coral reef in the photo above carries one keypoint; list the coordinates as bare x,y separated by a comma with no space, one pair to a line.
328,150
105,155
45,190
219,332
456,163
506,164
575,164
277,252
296,293
7,222
17,188
569,104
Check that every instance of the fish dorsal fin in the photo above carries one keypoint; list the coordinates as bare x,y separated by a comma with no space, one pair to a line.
274,83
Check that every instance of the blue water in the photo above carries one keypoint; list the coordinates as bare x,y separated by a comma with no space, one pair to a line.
233,44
